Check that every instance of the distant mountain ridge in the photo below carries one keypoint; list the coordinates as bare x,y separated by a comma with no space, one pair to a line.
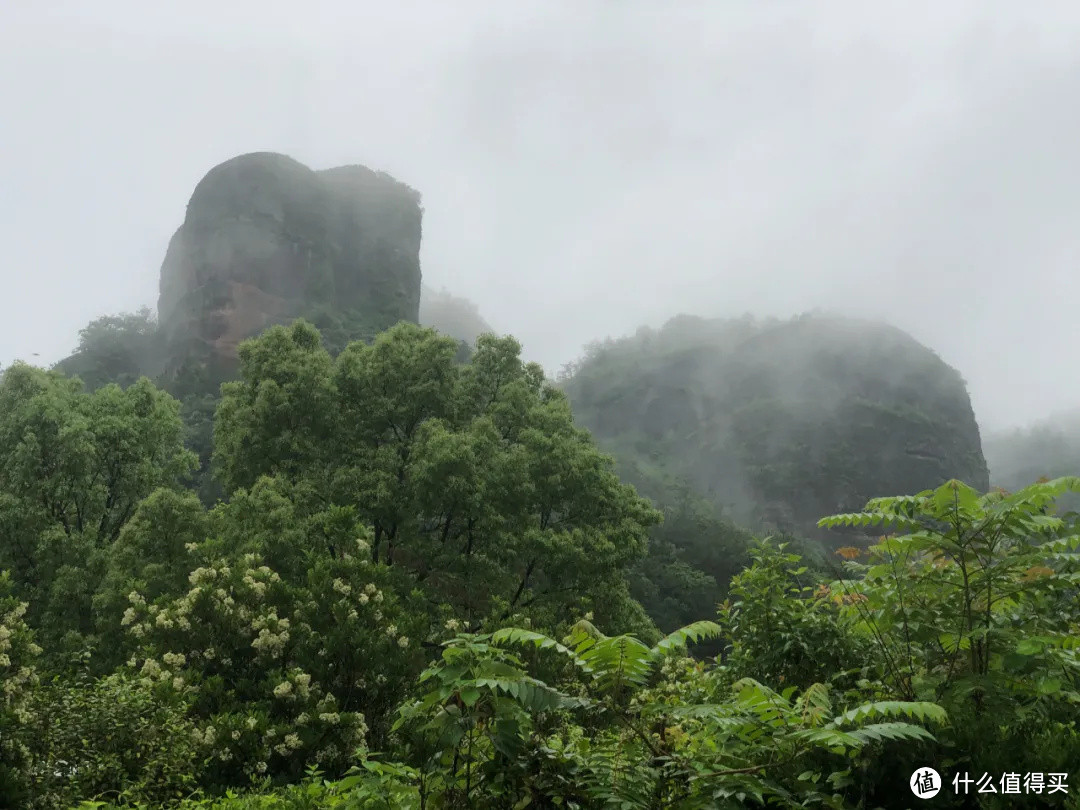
1049,448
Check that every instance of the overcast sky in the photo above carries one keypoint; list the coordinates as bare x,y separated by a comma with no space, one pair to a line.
586,167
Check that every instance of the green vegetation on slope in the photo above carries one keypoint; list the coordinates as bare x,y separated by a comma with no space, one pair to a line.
117,349
452,315
1048,449
418,584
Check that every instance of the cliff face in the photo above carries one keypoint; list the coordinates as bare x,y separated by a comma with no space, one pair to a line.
267,239
782,423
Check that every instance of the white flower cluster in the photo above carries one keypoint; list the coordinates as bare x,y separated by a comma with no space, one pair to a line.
16,676
257,587
201,575
207,736
403,641
296,685
5,645
273,634
153,671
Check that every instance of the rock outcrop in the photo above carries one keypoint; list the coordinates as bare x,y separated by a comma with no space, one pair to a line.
781,423
267,239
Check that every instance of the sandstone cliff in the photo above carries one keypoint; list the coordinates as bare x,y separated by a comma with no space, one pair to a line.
266,240
781,423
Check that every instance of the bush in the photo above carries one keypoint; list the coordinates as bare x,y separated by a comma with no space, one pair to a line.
111,737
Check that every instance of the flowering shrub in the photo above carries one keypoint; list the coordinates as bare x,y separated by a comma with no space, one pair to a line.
17,680
279,675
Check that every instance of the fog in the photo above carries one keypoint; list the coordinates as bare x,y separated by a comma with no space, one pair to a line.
586,167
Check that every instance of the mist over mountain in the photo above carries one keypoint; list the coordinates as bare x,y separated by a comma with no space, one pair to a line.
781,422
1048,448
296,510
452,315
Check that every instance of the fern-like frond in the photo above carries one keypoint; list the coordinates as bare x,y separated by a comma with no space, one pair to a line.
619,661
691,632
887,732
617,775
518,636
814,705
921,710
532,695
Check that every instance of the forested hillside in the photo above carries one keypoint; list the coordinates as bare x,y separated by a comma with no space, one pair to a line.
418,590
1047,449
452,315
779,422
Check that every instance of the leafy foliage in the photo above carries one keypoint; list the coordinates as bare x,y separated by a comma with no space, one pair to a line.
974,607
111,736
18,676
117,349
73,468
647,727
783,631
466,474
418,591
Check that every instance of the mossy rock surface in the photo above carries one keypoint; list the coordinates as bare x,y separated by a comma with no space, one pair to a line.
782,422
267,239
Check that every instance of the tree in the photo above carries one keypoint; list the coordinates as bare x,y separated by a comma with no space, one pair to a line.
974,605
282,669
782,631
151,556
473,478
73,468
116,349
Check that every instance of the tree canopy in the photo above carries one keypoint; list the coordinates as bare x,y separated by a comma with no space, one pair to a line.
423,585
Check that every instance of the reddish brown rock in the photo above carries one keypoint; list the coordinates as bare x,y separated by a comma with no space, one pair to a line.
266,240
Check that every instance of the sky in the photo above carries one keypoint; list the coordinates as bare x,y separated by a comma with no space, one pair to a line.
586,166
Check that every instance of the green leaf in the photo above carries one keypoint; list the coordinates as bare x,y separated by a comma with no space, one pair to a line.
469,695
